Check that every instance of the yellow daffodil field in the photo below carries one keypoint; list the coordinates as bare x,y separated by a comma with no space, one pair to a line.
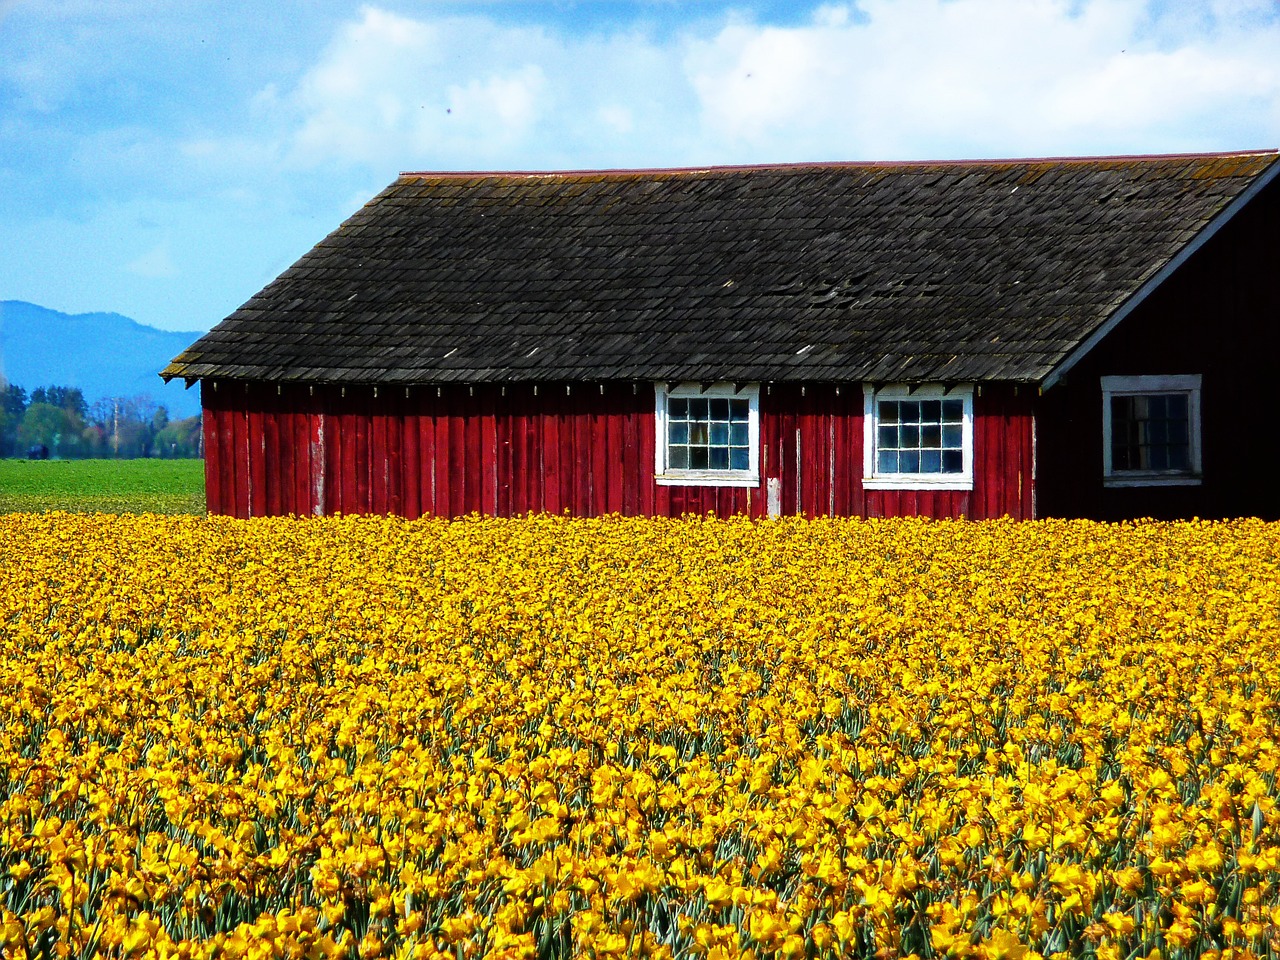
602,738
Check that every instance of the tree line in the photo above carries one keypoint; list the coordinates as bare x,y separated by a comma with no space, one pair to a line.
57,421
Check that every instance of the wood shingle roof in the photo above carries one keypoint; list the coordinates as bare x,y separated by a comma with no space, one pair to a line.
824,272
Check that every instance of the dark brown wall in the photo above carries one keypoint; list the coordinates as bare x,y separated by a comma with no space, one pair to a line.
586,448
1218,316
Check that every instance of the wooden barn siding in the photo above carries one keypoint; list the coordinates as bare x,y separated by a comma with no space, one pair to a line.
1217,316
585,449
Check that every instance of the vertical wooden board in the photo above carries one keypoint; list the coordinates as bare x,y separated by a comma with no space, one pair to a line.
933,503
326,464
255,452
474,456
379,501
812,449
549,451
1029,463
229,452
598,452
442,425
503,421
569,461
320,495
273,462
285,454
787,461
521,451
395,453
362,420
636,473
243,478
676,498
1008,476
534,446
411,462
349,465
615,459
428,458
458,416
995,472
982,458
300,432
583,410
490,490
212,453
855,438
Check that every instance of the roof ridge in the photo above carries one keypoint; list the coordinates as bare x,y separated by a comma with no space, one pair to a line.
835,164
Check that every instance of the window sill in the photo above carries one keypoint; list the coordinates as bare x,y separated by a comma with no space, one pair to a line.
1152,480
708,478
917,483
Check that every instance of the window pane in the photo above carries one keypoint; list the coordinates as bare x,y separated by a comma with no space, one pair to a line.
677,409
1119,453
719,434
740,458
719,458
678,432
740,410
930,411
679,457
952,411
697,408
909,461
931,436
909,411
887,462
910,437
1150,432
888,411
719,408
888,438
697,433
739,434
953,461
697,458
952,435
931,461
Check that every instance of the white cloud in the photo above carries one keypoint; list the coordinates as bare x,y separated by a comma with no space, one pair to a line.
877,79
941,77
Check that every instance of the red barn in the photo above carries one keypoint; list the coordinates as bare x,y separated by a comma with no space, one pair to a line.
1084,337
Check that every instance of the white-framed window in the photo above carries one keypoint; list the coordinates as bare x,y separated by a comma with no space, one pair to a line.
1151,431
707,435
917,437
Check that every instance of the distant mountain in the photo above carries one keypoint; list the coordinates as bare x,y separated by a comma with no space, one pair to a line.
104,354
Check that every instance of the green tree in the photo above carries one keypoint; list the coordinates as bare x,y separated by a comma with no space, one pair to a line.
43,425
13,404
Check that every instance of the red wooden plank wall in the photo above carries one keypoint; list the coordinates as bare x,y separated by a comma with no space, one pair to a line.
584,448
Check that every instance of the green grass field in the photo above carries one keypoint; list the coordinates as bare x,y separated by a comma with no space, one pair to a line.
102,486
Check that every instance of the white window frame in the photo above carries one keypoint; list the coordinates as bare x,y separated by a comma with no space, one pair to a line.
872,479
1130,386
675,477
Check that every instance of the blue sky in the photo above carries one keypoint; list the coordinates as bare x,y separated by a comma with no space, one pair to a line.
165,159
